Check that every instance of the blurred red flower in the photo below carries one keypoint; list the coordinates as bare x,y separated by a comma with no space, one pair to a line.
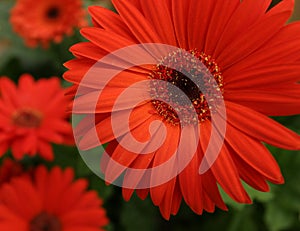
40,22
252,55
50,201
32,116
9,169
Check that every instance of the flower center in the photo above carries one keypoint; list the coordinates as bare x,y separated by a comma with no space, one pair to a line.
52,12
187,77
28,118
45,222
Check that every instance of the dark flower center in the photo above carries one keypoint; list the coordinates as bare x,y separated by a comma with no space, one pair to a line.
188,87
52,12
27,118
187,77
45,222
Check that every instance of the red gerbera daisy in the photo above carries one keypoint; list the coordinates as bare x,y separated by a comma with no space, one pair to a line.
40,22
253,58
32,115
51,201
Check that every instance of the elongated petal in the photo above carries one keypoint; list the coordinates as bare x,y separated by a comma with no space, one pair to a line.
219,18
254,153
267,76
158,14
227,176
136,22
270,102
268,27
109,21
91,140
243,17
169,149
261,127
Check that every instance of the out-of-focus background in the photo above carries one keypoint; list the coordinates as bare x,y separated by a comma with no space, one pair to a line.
296,15
274,211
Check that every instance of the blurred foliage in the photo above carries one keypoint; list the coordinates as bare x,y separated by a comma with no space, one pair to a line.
278,210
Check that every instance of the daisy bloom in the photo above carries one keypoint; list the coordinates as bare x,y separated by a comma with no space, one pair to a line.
50,201
46,20
9,169
252,56
33,115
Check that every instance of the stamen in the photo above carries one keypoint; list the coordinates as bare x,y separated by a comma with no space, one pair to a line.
200,74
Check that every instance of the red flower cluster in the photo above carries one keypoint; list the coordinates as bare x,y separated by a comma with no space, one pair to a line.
50,200
33,116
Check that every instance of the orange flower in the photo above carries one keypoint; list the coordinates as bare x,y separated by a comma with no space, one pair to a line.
32,115
51,201
250,54
40,22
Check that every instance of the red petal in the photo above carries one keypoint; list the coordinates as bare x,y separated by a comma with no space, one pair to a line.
249,175
26,82
261,127
176,201
261,77
191,185
180,15
227,176
8,92
110,21
247,13
75,74
283,49
45,150
267,28
108,41
88,50
164,154
254,153
166,206
138,117
272,101
211,189
159,16
216,21
208,204
200,11
137,154
136,22
142,193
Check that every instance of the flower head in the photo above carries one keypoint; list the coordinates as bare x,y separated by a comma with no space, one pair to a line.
33,115
237,53
50,201
47,20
